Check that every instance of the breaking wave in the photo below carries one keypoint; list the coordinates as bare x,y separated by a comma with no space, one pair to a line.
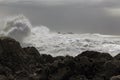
19,27
56,44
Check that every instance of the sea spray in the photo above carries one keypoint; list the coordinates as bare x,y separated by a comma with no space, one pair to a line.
56,44
17,27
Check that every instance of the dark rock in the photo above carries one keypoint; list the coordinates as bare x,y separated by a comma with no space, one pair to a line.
61,74
117,57
90,54
78,77
33,56
13,58
96,55
17,63
98,77
115,77
21,75
2,77
12,55
84,66
111,68
46,59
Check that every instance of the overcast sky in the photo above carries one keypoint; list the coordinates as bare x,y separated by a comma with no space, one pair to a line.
78,16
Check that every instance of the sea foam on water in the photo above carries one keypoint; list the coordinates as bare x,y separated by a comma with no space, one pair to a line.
56,44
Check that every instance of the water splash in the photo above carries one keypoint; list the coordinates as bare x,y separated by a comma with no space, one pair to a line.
17,27
56,44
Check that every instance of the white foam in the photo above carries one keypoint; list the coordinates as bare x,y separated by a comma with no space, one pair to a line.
57,44
17,27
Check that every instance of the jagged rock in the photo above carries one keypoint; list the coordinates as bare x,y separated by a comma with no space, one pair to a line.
61,74
33,56
21,76
90,63
2,77
12,55
78,77
90,54
98,77
111,68
17,63
96,55
117,57
46,59
84,66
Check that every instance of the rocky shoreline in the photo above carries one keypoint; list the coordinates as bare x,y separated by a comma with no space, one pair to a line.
17,63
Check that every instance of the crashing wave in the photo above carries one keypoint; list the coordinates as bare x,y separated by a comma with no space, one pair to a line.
57,44
17,27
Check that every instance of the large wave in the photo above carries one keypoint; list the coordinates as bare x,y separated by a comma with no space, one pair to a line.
56,44
17,27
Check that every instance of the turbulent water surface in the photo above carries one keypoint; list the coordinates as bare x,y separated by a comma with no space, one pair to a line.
55,43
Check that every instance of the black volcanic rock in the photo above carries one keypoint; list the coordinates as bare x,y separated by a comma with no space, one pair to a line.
117,57
111,68
78,77
14,60
2,77
33,56
12,55
17,63
96,55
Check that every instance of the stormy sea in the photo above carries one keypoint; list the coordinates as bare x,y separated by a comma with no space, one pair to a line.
30,52
57,43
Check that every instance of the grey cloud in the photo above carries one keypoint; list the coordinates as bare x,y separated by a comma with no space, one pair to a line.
78,18
51,2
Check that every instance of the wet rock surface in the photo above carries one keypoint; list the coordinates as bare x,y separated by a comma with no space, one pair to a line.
17,63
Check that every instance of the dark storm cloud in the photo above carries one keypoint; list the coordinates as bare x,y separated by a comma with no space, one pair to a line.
67,15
